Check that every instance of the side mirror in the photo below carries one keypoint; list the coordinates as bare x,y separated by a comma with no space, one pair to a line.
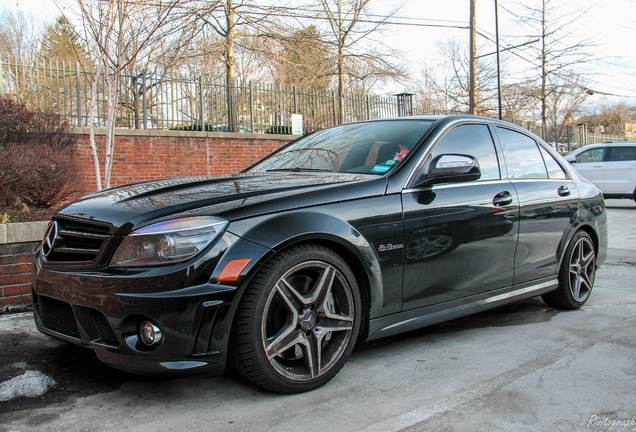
570,158
450,168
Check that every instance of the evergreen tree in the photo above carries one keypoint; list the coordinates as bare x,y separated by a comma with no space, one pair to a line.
305,60
60,41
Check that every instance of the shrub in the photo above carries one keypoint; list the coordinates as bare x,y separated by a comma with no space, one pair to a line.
37,156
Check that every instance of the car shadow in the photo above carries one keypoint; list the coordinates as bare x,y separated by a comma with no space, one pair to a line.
530,311
78,373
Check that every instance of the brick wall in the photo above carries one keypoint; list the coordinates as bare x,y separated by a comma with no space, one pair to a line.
139,156
15,275
149,155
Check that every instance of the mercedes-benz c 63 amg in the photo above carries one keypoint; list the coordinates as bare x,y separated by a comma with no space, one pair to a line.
352,233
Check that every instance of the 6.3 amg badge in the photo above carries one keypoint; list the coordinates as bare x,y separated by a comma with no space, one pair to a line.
389,247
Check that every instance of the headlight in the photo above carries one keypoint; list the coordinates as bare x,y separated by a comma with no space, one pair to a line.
167,242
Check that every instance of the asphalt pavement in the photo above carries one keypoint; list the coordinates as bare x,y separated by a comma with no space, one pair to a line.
523,367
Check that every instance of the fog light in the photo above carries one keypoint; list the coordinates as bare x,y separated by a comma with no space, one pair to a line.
149,333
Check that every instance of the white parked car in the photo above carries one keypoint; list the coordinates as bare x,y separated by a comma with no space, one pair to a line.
610,166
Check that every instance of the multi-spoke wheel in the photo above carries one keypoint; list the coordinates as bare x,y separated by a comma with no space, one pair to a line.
576,276
297,321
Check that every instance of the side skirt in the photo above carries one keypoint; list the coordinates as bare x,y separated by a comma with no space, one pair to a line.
413,319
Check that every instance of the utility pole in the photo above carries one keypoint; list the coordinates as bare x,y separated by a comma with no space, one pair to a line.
472,96
498,58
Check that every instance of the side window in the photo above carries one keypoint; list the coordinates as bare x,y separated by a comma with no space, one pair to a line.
555,171
622,154
525,158
475,141
591,155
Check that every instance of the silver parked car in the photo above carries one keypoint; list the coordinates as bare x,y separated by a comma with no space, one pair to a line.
610,166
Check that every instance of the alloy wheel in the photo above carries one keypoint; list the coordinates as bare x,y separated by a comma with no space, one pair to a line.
582,269
307,321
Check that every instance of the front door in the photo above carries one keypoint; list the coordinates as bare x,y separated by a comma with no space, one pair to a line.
460,238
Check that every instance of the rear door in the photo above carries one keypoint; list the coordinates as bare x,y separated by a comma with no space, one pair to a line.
548,199
620,176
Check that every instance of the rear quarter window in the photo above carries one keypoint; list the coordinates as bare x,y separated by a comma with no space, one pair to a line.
620,154
524,155
555,171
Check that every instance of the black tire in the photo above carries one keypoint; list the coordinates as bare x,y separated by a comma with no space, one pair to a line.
576,275
297,321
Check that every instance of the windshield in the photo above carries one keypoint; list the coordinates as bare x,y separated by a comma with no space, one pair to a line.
371,147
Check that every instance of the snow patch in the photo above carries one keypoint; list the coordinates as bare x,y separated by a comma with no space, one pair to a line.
20,365
30,384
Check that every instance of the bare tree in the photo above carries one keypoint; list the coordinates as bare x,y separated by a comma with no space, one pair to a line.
518,101
558,51
239,25
20,37
121,32
431,91
449,80
564,103
348,29
611,118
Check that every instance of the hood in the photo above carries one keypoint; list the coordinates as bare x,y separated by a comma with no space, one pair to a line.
231,196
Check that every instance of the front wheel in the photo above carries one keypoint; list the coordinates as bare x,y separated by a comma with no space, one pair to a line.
297,321
577,273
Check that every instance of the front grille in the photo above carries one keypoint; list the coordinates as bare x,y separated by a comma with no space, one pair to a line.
103,328
58,316
75,241
74,225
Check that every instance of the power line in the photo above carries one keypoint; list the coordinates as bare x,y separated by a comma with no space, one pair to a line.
371,15
510,48
366,21
367,18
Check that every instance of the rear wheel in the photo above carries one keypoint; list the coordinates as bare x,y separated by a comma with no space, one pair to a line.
577,273
297,322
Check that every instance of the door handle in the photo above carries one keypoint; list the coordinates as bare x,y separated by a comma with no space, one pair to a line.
563,191
502,199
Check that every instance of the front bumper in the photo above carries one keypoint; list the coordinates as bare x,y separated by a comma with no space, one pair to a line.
102,310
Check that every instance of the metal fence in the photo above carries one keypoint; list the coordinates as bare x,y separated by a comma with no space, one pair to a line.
566,138
174,101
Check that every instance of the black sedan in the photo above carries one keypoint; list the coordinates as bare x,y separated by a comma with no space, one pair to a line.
353,233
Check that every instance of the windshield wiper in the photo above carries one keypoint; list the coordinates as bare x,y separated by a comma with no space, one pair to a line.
297,169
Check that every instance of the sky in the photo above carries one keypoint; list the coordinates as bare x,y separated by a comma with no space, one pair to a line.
609,25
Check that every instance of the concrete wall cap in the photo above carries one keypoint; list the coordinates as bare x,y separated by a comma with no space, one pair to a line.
22,232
